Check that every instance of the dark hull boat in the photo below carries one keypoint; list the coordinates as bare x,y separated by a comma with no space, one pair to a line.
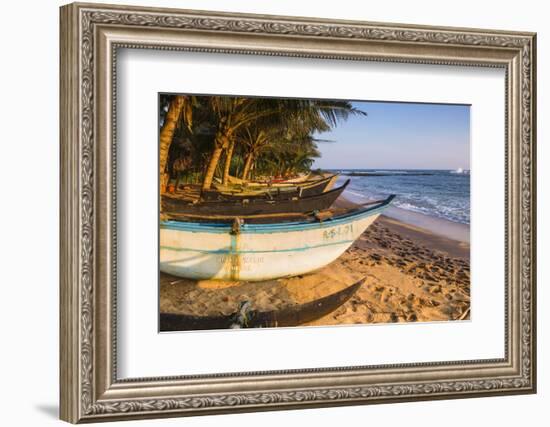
175,206
246,318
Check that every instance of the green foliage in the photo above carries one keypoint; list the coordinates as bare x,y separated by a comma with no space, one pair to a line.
274,134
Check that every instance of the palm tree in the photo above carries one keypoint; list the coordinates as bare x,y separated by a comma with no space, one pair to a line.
175,107
227,165
246,127
232,113
289,157
299,155
252,141
293,122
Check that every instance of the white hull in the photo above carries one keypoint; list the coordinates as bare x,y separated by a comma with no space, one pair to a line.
257,252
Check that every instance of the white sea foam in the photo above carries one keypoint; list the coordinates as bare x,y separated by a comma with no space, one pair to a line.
438,194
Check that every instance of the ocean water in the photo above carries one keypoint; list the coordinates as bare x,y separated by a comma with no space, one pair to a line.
436,193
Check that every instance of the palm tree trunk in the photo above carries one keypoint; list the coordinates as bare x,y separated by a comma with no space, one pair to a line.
166,136
228,156
222,141
247,166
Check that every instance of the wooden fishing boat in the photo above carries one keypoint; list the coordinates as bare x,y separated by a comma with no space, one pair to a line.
304,190
299,179
174,205
296,180
246,317
259,187
274,182
259,251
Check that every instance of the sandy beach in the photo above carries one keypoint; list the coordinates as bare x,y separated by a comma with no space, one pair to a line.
411,275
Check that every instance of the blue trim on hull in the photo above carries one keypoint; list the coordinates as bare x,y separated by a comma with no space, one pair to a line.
235,251
278,227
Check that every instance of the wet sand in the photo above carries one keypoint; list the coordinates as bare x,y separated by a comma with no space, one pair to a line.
411,275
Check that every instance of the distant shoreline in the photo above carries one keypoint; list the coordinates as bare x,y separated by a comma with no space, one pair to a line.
387,174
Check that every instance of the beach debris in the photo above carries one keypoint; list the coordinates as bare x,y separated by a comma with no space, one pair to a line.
241,317
464,314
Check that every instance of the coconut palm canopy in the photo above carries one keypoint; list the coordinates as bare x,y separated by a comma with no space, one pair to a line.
203,137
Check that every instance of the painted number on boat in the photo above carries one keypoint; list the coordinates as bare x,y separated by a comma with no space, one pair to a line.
338,232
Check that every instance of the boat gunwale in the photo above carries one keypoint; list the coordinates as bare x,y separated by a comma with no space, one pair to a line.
287,184
259,201
277,227
304,184
264,192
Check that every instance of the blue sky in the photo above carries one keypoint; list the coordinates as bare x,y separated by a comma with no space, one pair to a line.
399,136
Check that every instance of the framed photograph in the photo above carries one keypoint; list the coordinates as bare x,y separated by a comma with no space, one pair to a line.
266,212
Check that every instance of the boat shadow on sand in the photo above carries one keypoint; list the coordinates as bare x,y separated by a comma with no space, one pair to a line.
202,305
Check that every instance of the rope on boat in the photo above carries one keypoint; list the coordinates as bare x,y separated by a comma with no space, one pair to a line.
236,226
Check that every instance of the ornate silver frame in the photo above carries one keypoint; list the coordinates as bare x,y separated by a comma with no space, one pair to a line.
90,36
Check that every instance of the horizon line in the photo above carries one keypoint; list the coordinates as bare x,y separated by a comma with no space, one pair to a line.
395,169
